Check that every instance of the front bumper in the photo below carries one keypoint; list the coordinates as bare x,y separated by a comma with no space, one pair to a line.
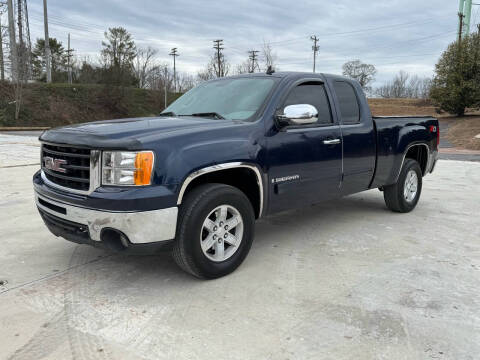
140,227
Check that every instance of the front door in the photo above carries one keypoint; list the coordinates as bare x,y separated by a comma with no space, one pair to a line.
305,160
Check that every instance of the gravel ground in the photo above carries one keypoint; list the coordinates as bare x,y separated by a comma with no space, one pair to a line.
341,280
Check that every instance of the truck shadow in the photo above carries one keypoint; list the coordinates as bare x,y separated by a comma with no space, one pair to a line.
270,231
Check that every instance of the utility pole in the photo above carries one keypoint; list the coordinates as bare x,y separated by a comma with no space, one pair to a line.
468,15
217,45
69,66
47,43
315,49
28,46
2,61
13,41
465,9
165,84
460,27
253,57
20,23
174,54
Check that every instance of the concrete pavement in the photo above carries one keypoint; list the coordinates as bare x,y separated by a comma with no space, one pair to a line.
341,280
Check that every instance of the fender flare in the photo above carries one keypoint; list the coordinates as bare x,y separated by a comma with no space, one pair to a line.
220,167
405,154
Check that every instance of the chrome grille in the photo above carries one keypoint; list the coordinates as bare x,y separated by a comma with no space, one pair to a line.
65,166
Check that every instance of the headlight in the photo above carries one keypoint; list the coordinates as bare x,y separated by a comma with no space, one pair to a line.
127,167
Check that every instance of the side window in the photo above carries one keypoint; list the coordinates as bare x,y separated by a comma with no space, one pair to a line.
312,94
349,108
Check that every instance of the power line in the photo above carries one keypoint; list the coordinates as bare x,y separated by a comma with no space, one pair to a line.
302,62
382,27
87,27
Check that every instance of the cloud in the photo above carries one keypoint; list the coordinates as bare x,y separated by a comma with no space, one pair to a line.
393,35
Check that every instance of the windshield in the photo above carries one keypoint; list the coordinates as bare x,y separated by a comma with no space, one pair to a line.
233,99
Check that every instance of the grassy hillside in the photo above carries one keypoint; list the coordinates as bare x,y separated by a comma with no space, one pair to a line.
60,104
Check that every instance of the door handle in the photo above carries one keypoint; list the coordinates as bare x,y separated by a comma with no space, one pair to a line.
331,142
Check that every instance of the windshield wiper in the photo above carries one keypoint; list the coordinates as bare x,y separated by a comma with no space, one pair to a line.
168,113
208,114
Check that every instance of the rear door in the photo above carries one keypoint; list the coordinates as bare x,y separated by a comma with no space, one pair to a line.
305,160
358,133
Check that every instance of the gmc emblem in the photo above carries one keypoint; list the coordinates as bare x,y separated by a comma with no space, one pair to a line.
54,164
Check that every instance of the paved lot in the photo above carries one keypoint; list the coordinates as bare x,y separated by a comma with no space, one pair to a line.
342,280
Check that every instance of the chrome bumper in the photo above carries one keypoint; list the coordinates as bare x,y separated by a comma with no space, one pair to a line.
139,227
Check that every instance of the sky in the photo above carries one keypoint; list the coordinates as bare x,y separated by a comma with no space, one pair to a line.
393,35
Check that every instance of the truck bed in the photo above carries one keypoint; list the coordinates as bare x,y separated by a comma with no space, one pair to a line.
394,135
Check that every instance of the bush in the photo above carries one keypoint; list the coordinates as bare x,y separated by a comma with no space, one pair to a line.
456,85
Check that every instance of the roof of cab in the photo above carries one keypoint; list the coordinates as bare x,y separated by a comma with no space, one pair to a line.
296,74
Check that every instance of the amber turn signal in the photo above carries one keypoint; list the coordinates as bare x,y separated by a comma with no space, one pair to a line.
143,168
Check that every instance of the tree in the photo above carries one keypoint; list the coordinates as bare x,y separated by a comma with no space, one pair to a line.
143,64
244,67
118,54
397,88
456,85
405,85
58,60
363,73
268,56
221,68
88,73
217,67
3,37
206,74
213,70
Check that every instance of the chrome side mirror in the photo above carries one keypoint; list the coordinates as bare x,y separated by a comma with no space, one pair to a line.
300,114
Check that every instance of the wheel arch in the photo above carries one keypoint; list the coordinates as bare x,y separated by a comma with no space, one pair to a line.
419,152
251,184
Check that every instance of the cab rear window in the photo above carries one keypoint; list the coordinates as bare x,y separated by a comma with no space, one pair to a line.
347,100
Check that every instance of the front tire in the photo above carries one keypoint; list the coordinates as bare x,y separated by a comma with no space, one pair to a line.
404,195
215,231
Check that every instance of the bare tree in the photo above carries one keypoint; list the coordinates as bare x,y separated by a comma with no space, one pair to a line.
405,85
243,68
206,74
221,68
159,77
212,70
424,88
185,82
143,64
363,73
269,57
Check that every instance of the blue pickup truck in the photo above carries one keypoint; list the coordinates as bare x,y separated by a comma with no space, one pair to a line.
195,178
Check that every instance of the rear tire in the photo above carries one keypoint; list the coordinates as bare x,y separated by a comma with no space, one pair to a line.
404,195
215,231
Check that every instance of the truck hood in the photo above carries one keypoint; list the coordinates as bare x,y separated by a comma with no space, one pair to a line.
130,133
